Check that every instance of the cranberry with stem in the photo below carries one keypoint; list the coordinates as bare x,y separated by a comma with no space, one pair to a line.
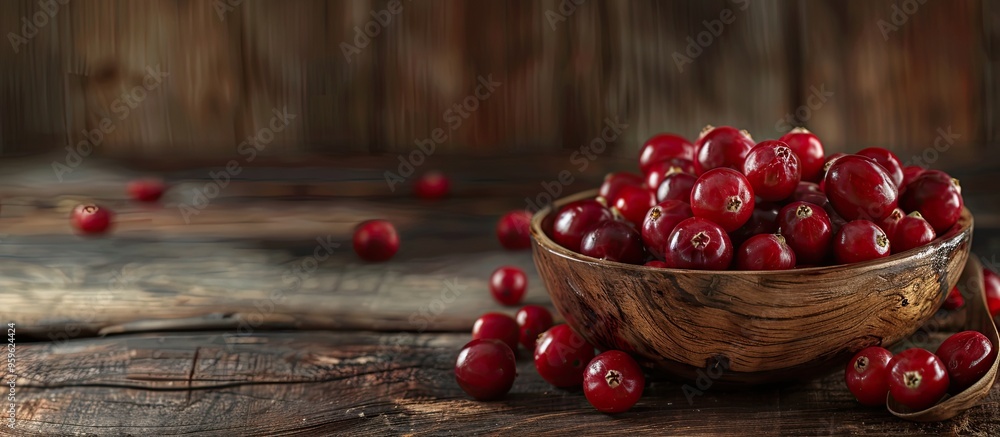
807,229
662,147
561,356
888,160
699,244
867,376
967,356
91,219
514,230
772,170
765,252
859,241
613,382
485,369
497,326
614,241
911,232
376,240
660,222
917,378
723,196
859,188
808,149
659,171
508,285
723,146
937,197
576,218
533,320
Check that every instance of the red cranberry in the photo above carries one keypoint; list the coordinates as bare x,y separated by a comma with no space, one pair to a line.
772,170
967,356
809,192
614,182
808,231
576,219
508,285
859,188
486,369
836,221
659,171
657,263
826,168
633,203
699,244
662,147
888,224
660,222
888,160
376,240
432,185
91,219
723,196
954,300
991,282
867,376
938,198
763,220
146,190
561,355
676,186
765,252
910,173
614,241
497,326
513,230
613,382
721,147
917,378
860,240
533,320
911,232
808,149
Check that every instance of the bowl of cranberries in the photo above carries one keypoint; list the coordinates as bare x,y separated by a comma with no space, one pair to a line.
768,259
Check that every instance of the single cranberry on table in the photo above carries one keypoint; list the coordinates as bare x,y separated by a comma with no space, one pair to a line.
937,196
698,244
723,146
807,229
658,173
772,170
917,378
376,240
633,203
967,356
867,376
662,147
660,222
533,320
146,190
954,300
911,232
859,188
888,160
676,186
765,252
432,185
514,230
614,241
485,369
576,218
497,326
657,263
613,382
613,182
508,285
91,219
809,150
859,241
561,356
991,282
724,196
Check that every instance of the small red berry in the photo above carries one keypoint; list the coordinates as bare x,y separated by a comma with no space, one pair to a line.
721,147
859,188
614,241
810,192
807,229
937,197
613,182
888,224
497,326
577,218
910,173
657,263
633,203
772,170
676,186
432,185
613,382
867,376
967,356
660,222
991,282
763,220
724,196
911,232
561,355
508,285
485,369
91,219
826,168
808,149
888,160
954,300
662,147
146,190
699,244
765,252
860,240
533,321
917,378
376,240
659,171
513,230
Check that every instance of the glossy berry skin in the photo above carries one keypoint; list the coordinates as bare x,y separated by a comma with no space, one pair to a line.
145,190
657,263
809,150
659,171
497,326
613,182
910,173
532,320
991,282
432,185
508,285
513,230
724,196
772,170
911,232
867,376
376,240
954,301
859,241
917,378
698,244
614,241
809,192
826,168
485,369
723,146
765,252
662,147
967,356
613,382
660,222
807,230
937,197
561,356
577,218
91,219
676,186
763,220
633,203
888,224
888,160
859,188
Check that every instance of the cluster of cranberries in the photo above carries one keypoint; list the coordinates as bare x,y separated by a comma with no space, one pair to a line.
91,219
917,378
726,202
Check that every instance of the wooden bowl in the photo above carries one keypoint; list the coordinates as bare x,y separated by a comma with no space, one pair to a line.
744,328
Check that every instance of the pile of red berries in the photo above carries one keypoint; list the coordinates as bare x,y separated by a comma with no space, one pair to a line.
725,202
917,378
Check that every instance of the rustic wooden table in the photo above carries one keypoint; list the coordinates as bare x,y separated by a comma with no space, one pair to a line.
254,317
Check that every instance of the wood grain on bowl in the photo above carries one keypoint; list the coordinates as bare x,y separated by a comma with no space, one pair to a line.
749,327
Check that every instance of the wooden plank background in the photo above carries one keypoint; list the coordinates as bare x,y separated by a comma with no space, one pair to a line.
562,73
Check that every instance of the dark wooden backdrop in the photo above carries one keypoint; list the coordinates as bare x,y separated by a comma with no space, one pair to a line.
230,64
